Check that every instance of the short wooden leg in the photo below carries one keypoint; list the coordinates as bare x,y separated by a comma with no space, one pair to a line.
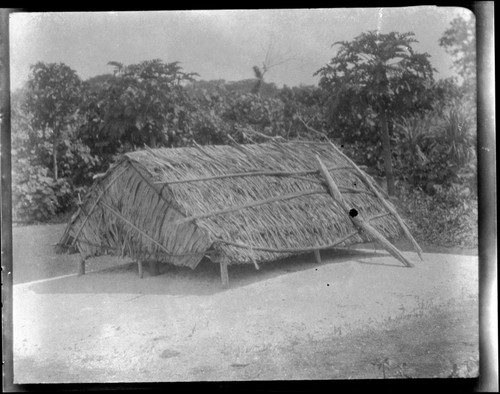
140,269
317,256
153,268
81,266
224,275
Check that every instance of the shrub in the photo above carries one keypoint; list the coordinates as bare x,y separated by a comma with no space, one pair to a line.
438,149
37,196
448,218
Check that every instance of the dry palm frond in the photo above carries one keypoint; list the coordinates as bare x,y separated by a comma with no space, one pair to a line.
249,204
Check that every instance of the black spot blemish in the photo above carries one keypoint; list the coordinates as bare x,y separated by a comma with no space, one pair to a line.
328,284
353,213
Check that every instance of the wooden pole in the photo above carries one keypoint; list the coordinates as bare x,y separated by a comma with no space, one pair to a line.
95,205
317,256
252,256
359,222
367,181
224,274
251,173
356,219
154,269
249,205
393,212
81,266
117,214
140,269
387,206
289,250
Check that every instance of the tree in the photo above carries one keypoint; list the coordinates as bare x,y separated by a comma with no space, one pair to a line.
374,78
140,104
53,97
459,40
36,194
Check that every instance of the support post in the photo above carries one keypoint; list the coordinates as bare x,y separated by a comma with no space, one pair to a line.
252,256
153,268
357,220
81,266
224,274
140,269
387,206
317,256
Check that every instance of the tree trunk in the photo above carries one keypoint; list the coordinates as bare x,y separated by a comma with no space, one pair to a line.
386,145
152,141
54,156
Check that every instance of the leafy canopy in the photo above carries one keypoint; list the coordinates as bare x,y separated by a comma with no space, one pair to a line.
141,104
53,96
459,40
377,71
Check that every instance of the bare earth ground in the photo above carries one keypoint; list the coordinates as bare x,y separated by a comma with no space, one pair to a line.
358,315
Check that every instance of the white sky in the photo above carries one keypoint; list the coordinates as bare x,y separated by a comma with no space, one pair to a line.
215,44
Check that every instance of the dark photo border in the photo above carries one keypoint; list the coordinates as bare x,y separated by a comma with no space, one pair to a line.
486,147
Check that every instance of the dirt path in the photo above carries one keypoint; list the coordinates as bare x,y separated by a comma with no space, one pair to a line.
356,315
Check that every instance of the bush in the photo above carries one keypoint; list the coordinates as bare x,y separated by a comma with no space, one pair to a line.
448,218
37,196
437,149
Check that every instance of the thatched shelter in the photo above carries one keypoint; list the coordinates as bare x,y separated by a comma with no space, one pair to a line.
239,204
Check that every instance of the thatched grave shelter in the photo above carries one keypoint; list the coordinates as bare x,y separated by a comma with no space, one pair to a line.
238,204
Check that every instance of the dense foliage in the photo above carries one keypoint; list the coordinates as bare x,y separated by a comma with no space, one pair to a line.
142,104
50,163
65,131
447,218
373,79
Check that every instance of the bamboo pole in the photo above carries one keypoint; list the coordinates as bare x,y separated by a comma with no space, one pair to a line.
118,250
289,250
224,274
94,205
352,190
171,201
370,185
381,239
312,180
147,181
117,214
250,173
356,219
332,186
317,256
387,206
81,266
140,269
250,205
252,256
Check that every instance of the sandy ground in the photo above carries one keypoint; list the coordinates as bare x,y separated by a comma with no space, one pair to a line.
358,314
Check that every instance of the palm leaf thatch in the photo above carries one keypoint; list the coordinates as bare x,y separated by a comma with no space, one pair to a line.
235,204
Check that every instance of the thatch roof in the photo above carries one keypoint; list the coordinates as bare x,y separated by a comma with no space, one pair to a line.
240,204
